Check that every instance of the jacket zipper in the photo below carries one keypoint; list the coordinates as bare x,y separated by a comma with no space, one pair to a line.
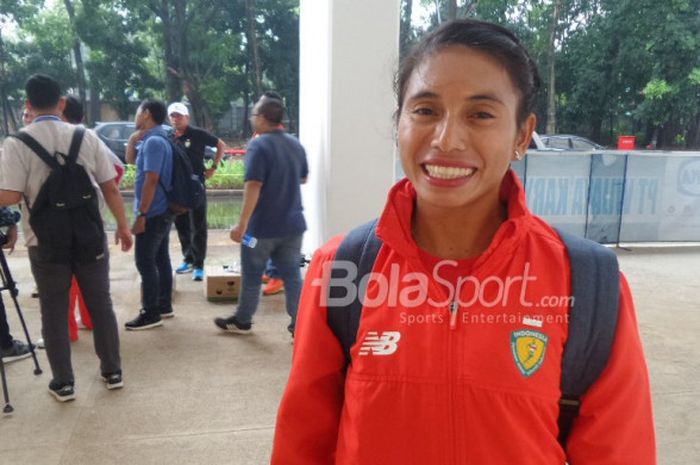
452,309
452,376
453,315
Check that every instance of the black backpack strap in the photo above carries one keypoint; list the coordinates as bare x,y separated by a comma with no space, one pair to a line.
37,148
595,289
75,144
357,251
171,141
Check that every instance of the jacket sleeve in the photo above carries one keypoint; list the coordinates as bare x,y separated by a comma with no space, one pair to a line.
615,424
306,432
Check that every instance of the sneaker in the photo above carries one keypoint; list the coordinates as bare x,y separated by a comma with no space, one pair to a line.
274,286
232,325
113,381
17,351
183,268
62,392
40,343
143,322
197,274
167,313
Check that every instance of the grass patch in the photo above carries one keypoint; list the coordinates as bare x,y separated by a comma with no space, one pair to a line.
229,175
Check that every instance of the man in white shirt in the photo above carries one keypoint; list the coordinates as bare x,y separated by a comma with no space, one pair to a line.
22,175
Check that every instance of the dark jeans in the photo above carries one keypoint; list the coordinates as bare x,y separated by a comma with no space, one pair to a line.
192,231
5,336
53,281
153,263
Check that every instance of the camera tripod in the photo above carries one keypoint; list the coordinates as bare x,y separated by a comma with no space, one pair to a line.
8,284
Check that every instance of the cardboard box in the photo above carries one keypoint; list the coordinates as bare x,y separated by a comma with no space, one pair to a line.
223,282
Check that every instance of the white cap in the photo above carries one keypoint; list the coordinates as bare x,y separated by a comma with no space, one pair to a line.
178,108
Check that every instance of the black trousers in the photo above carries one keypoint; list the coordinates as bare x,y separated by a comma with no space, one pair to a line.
5,336
192,231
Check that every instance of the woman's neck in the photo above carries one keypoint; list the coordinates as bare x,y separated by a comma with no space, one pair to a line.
457,233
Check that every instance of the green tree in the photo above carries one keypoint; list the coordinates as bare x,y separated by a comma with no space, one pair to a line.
77,52
278,30
118,59
12,72
43,46
670,95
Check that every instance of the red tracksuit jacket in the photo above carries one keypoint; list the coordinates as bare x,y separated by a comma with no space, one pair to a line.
476,382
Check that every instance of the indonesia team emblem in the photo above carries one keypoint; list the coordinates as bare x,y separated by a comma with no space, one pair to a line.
528,349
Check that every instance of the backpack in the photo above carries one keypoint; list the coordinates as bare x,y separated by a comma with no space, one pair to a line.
65,215
186,189
595,287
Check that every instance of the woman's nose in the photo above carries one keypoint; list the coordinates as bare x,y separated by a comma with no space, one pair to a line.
450,134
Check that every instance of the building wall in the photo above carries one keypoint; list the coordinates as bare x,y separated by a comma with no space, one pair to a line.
349,52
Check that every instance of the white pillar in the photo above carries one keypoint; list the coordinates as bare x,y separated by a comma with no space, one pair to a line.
349,53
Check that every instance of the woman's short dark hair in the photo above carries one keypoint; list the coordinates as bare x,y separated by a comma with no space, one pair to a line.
491,39
73,111
272,110
156,108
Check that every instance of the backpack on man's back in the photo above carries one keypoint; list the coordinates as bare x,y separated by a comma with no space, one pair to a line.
65,215
186,189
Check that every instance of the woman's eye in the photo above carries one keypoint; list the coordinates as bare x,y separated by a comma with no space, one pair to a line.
423,111
482,115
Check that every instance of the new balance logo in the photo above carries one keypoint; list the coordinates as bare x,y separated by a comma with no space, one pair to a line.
386,344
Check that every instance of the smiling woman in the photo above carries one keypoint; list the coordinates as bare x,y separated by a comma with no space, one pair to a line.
458,132
430,383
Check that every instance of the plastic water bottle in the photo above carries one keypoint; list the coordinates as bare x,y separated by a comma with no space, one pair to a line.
249,241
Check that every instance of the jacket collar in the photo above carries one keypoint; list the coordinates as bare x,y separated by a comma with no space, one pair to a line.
394,226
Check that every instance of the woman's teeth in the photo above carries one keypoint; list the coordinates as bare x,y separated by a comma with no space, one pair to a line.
448,172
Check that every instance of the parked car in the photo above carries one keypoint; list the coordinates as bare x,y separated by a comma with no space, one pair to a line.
115,135
536,143
569,142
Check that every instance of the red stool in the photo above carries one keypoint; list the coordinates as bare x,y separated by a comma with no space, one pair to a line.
76,295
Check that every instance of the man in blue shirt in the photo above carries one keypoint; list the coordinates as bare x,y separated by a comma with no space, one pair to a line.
275,166
154,165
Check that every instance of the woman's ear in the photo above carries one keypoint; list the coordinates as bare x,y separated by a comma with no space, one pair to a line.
522,141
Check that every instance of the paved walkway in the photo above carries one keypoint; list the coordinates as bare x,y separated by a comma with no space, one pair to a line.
196,395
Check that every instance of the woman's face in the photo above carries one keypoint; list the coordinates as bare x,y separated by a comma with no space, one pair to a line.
27,117
457,130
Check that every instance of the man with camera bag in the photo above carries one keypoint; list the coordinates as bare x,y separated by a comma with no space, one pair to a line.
63,173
